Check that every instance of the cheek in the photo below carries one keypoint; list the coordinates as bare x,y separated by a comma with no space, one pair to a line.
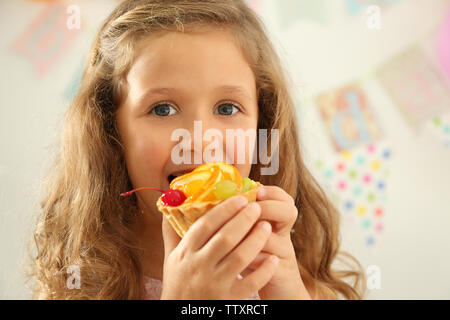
242,151
146,158
153,151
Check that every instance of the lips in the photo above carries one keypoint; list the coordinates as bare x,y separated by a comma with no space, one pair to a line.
173,176
178,173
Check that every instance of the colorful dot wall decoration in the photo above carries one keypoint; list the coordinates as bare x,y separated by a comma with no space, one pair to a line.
356,182
439,127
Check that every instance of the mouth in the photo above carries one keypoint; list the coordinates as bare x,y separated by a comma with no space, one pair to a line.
177,174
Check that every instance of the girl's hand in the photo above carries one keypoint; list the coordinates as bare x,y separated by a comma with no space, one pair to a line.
206,262
279,208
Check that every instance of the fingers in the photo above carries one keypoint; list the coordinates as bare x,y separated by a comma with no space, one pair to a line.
229,236
207,225
278,245
274,193
283,214
257,279
170,237
246,252
256,263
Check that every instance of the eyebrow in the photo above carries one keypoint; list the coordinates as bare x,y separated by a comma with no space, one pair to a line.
227,89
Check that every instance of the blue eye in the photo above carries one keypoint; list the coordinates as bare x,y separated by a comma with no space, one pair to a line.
227,109
163,110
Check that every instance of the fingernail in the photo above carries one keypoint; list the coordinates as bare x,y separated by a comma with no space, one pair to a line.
241,201
261,192
255,207
266,226
274,259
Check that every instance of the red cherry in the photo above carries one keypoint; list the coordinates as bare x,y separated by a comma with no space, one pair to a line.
173,197
170,197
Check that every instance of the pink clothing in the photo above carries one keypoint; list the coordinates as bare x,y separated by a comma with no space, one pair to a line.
153,290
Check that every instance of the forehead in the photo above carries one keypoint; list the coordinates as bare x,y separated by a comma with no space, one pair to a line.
200,59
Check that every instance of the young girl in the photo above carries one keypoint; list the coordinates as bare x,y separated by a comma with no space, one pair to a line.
157,66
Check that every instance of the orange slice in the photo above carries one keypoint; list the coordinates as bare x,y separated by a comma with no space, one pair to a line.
206,194
197,185
191,183
230,172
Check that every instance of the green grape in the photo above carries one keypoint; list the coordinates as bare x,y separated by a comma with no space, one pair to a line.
246,184
224,189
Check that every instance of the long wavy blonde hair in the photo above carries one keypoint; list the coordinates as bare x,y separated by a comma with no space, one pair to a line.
83,220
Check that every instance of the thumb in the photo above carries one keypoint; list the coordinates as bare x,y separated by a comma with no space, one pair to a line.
170,236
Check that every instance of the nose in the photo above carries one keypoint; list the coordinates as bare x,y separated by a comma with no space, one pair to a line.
207,140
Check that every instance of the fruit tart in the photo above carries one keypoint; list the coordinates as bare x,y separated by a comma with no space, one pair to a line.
193,194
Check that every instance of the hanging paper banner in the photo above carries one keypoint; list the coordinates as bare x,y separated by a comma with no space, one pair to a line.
348,117
418,90
356,6
443,46
47,38
439,127
290,11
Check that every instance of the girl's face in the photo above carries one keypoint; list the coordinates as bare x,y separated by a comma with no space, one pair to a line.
176,79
